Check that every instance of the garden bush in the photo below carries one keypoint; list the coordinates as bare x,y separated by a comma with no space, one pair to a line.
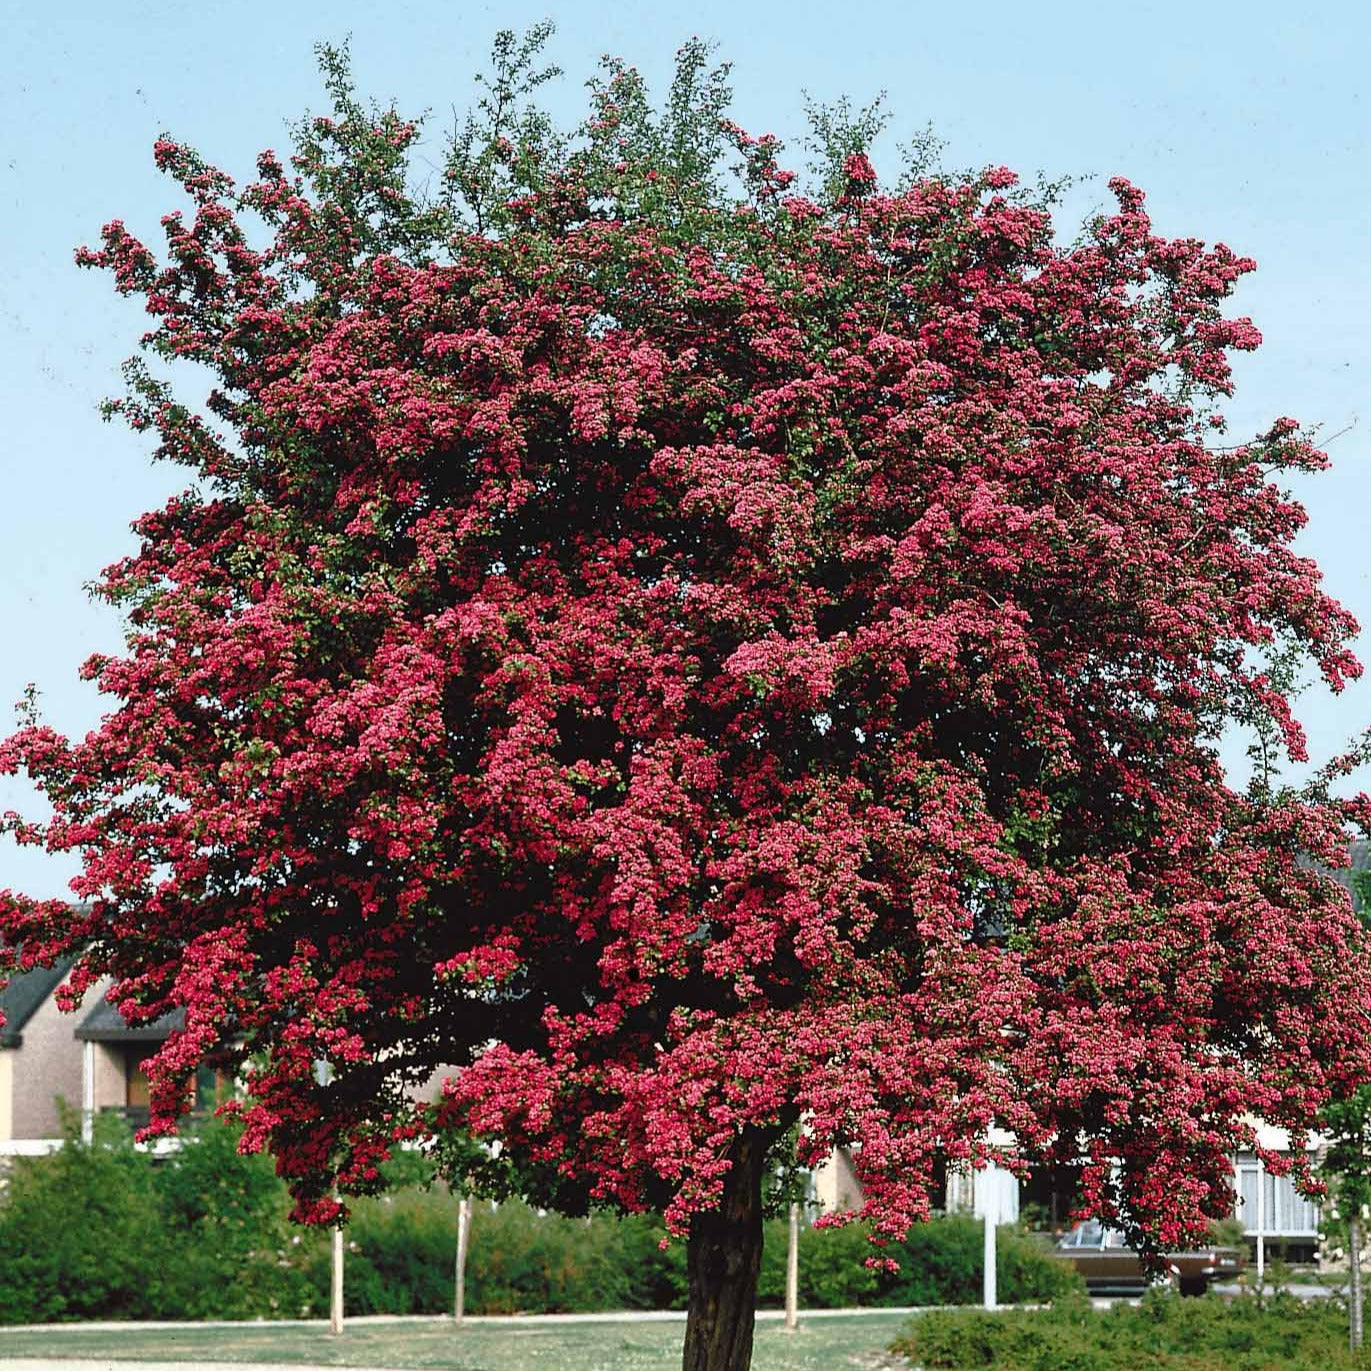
401,1251
656,1274
81,1233
521,1260
1163,1333
233,1252
104,1230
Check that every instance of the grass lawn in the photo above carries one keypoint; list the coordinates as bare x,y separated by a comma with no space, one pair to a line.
853,1341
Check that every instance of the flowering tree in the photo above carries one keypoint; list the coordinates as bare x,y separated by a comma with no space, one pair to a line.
696,660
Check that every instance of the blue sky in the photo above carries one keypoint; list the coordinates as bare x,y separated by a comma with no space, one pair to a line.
1244,122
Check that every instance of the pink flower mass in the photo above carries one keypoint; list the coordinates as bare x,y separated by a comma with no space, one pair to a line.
694,666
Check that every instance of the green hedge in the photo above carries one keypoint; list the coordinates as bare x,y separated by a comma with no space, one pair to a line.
100,1230
1163,1333
75,1231
401,1251
105,1231
401,1261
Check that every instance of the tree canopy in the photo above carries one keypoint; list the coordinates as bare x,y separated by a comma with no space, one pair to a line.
694,652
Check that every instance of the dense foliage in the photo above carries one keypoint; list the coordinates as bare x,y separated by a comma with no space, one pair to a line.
1164,1333
687,655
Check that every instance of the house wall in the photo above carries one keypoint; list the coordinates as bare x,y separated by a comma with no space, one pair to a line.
46,1066
835,1183
431,1090
1287,1214
967,1192
111,1075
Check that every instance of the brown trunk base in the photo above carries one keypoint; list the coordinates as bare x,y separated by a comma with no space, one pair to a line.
723,1257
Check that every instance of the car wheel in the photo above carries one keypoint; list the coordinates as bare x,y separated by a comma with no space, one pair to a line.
1192,1285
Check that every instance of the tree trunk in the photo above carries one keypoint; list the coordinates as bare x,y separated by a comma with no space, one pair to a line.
723,1257
1354,1301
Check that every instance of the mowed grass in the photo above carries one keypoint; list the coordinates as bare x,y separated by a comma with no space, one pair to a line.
848,1341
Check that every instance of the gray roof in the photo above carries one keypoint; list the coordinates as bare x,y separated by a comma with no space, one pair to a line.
105,1024
19,1000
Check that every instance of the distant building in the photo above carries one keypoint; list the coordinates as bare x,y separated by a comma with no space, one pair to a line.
89,1062
112,1059
835,1185
40,1061
1287,1220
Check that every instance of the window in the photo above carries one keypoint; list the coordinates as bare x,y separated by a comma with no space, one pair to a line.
1286,1213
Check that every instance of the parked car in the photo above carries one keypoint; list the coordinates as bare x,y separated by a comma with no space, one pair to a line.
1109,1265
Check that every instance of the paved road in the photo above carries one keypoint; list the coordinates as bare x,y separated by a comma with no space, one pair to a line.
363,1320
1301,1290
125,1325
110,1364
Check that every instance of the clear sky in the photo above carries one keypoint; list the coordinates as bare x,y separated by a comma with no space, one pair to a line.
1246,122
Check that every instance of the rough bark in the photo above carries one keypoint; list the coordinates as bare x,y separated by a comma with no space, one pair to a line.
723,1257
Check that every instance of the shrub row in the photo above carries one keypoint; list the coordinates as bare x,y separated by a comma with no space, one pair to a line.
103,1230
402,1253
1163,1333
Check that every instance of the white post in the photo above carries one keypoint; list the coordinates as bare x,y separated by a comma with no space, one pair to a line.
87,1092
1354,1299
335,1294
792,1272
463,1240
1261,1224
990,1210
323,1073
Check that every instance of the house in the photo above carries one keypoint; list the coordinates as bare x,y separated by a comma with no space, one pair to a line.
1270,1206
1265,1204
87,1062
40,1061
113,1054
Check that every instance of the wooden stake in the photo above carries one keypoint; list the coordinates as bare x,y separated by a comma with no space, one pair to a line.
792,1272
335,1303
463,1231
